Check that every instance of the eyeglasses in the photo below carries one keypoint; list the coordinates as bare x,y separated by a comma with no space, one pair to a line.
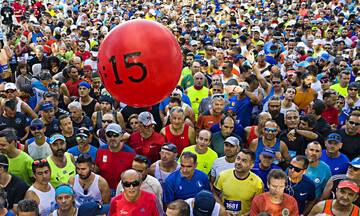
95,34
276,82
355,108
10,91
108,121
354,123
128,184
112,134
38,41
146,127
343,66
78,138
270,129
40,161
36,128
296,169
324,80
244,86
53,86
174,94
353,89
354,168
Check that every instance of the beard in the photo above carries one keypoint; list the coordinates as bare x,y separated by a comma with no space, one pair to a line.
306,86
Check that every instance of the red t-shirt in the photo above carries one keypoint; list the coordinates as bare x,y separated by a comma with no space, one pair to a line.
73,87
148,204
262,203
149,147
85,56
113,164
50,41
331,115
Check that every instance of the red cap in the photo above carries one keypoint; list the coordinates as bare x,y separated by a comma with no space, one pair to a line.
349,185
87,67
302,58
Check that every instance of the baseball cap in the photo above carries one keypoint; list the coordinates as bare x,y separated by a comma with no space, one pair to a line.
94,52
232,82
266,73
325,57
37,122
114,128
204,203
93,208
198,58
357,79
83,131
268,151
146,118
56,137
310,59
169,147
194,42
232,140
317,42
87,67
11,86
303,64
355,162
346,184
334,136
47,105
353,85
237,57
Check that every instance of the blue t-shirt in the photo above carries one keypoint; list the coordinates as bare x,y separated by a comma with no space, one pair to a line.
75,151
302,191
263,174
238,130
164,103
178,187
243,109
261,146
342,119
337,165
320,175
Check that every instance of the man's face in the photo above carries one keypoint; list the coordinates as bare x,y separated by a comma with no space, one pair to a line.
52,101
66,125
58,148
266,160
306,83
75,113
274,107
276,187
228,127
340,103
313,152
199,80
166,155
330,101
351,126
187,168
230,150
81,47
218,106
356,67
4,145
38,131
243,163
83,91
203,139
292,120
297,164
344,33
42,175
190,60
65,201
107,119
332,146
141,168
344,79
84,170
195,67
290,94
346,196
10,113
114,139
74,74
270,130
217,89
48,115
177,119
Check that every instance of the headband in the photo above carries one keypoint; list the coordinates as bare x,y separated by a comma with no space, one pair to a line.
84,84
274,51
64,189
96,79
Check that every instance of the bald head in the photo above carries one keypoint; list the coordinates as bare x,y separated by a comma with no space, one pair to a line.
130,174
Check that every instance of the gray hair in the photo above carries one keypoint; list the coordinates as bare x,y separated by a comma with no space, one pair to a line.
291,110
128,171
28,205
177,109
75,104
215,63
217,97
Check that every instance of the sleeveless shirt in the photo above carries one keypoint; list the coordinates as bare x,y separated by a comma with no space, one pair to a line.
61,175
181,141
93,193
47,200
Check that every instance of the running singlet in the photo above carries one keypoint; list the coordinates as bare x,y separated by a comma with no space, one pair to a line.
181,141
61,175
252,136
327,209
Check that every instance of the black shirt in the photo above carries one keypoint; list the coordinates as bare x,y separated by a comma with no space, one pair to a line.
52,128
86,122
280,121
298,145
19,123
88,109
71,141
16,190
351,144
323,127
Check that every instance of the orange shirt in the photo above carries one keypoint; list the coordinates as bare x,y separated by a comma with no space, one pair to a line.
302,100
262,203
206,120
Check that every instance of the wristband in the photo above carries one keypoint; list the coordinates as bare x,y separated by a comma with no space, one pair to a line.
5,67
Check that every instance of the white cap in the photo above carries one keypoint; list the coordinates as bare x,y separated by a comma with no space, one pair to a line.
317,42
357,79
266,73
11,86
73,27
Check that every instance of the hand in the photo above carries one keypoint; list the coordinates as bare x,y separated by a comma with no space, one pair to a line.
278,156
291,135
229,213
350,102
249,56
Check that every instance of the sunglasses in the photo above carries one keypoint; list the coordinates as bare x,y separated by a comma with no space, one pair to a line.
108,121
174,94
146,127
276,82
10,91
324,80
53,86
354,168
244,86
78,138
81,45
40,161
224,67
353,89
112,134
36,128
296,169
134,184
354,123
38,41
270,129
334,137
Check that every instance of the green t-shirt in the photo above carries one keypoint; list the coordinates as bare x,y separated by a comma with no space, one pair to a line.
21,166
185,71
69,55
61,58
188,81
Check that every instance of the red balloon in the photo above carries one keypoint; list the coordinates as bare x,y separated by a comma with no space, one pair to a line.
140,63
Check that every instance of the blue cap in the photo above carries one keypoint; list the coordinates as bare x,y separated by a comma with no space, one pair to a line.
222,22
47,105
56,137
325,57
303,64
355,162
334,136
93,208
237,57
268,151
37,122
310,59
198,58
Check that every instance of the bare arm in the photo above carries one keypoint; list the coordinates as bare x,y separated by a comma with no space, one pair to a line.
264,84
327,190
192,135
120,119
64,90
105,190
318,208
28,111
308,207
253,145
97,170
152,170
32,195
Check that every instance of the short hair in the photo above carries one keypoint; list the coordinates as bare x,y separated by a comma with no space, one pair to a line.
188,155
63,116
10,104
313,142
75,104
251,78
310,119
134,115
175,100
177,109
303,159
277,75
34,166
10,134
230,64
249,152
181,205
304,76
219,84
344,72
226,115
351,114
274,98
85,158
291,110
328,93
319,106
28,205
142,159
215,63
51,95
276,174
213,99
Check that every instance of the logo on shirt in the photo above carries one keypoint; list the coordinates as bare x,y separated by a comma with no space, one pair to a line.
285,212
18,121
104,158
336,168
123,212
199,184
142,210
303,194
317,181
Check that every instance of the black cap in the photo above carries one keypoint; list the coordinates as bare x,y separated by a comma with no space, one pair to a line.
169,147
232,82
27,89
83,131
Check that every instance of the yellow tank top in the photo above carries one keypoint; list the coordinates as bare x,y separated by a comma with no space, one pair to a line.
61,175
195,98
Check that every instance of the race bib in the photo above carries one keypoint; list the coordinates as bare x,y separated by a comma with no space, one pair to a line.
234,206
